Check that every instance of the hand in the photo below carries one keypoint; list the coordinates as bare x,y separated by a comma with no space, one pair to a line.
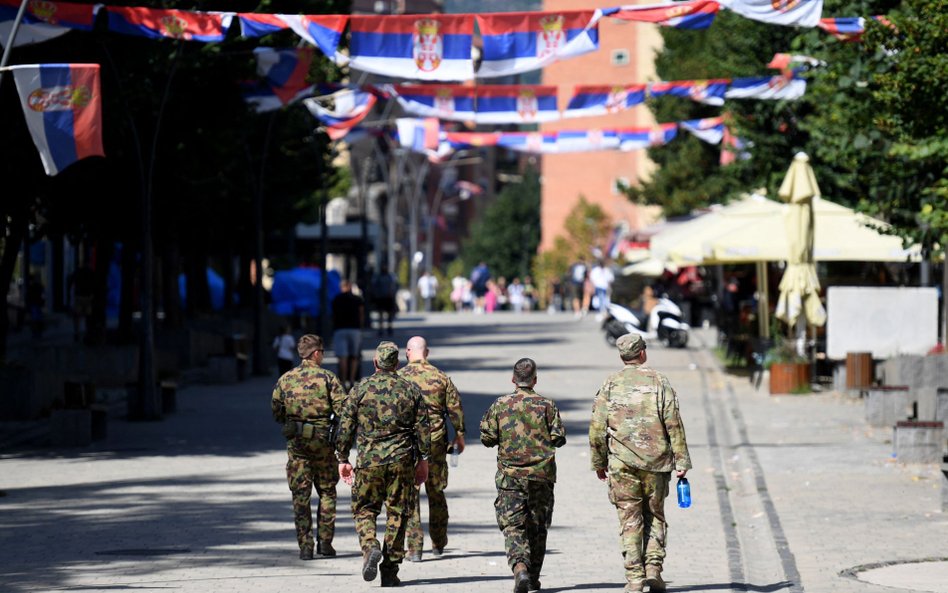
681,473
459,443
421,472
345,472
602,475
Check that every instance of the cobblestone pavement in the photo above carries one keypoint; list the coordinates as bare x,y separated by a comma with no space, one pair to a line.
790,492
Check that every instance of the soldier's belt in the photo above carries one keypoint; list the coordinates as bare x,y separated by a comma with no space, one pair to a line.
310,430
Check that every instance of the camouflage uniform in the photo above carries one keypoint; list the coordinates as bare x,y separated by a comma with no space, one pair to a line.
441,397
637,435
526,428
386,416
310,395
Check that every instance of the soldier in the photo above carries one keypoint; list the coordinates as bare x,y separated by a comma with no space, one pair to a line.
526,428
637,439
306,401
441,397
388,414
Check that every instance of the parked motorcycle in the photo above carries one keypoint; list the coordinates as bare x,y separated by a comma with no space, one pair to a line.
664,323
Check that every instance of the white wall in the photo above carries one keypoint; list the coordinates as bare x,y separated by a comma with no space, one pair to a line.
884,321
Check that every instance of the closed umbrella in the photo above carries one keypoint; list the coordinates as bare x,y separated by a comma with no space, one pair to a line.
800,287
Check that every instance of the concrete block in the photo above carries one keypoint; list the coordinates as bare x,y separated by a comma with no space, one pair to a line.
944,484
919,442
935,371
70,428
222,370
932,403
903,370
887,405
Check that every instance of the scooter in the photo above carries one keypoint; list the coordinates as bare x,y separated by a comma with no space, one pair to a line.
663,323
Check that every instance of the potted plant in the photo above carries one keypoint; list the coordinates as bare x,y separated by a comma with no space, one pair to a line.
789,371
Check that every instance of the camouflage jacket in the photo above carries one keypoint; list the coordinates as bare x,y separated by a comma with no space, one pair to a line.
307,392
387,418
441,396
526,428
635,420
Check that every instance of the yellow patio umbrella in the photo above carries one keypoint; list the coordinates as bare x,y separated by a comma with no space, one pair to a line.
800,287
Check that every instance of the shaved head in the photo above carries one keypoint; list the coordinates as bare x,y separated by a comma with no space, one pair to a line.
417,348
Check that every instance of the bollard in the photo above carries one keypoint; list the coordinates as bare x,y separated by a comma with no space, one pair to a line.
919,442
886,405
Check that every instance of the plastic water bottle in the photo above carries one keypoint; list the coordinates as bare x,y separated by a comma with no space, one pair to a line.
684,493
455,454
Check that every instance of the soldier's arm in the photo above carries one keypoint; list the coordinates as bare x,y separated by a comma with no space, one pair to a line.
489,432
598,445
453,406
675,428
557,430
337,394
277,407
422,426
347,425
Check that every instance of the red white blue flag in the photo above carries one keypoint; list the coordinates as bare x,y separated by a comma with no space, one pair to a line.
797,13
459,140
447,102
284,77
44,20
568,141
424,47
516,104
848,28
169,24
692,14
533,142
322,31
522,41
63,109
258,24
640,138
350,107
784,61
782,86
709,129
709,92
604,99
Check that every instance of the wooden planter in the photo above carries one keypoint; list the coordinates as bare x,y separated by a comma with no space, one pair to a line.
789,377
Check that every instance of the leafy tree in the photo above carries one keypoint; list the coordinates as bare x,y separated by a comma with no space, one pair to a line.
507,236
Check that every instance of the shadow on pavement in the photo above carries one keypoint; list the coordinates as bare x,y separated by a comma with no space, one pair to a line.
732,586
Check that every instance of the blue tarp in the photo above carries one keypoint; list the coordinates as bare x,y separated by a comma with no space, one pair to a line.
215,284
297,290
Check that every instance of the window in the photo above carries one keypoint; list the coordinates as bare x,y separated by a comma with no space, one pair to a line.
620,57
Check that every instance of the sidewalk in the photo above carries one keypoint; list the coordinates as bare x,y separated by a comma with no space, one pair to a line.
789,492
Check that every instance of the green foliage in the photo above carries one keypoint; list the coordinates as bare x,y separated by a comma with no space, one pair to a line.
507,235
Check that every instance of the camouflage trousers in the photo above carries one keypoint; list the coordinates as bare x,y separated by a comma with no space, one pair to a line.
437,504
312,463
639,497
524,512
392,485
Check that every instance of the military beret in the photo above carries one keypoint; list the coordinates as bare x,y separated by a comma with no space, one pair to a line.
308,344
387,355
630,345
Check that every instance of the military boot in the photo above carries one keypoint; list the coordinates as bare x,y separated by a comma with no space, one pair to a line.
437,552
521,578
534,582
634,586
325,549
370,563
306,553
390,579
653,577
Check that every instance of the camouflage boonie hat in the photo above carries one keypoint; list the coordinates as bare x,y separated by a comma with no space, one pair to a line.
308,344
630,345
387,355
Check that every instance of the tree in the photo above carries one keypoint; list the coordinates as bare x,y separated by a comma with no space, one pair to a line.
507,236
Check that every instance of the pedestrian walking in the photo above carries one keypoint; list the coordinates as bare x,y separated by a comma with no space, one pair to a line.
348,318
384,290
306,401
442,400
285,347
526,429
428,289
637,439
577,280
386,417
601,277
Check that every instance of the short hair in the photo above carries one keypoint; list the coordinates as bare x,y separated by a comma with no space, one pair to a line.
524,372
308,344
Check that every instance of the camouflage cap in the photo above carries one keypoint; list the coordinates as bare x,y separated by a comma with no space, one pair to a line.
630,345
308,344
387,355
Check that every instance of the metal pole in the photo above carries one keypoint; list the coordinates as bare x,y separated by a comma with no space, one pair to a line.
763,300
8,46
421,173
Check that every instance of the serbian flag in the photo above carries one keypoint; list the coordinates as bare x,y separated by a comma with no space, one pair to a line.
848,28
258,25
169,24
787,87
797,13
693,14
322,31
448,102
516,42
586,140
709,129
43,20
63,109
284,72
459,140
784,61
709,92
604,99
351,107
639,138
516,104
423,47
533,142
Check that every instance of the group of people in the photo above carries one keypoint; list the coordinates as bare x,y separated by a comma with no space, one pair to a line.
588,287
481,293
396,418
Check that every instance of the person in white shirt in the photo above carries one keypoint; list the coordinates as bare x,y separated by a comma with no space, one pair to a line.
515,295
427,289
285,347
601,278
